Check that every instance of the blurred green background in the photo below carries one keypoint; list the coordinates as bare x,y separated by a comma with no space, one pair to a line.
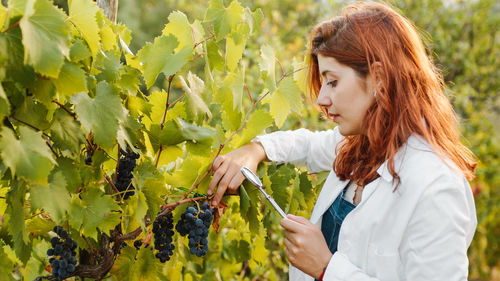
463,40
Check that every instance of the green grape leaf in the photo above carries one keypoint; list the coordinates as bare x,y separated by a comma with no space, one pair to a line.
215,59
65,131
188,172
6,266
108,38
258,122
44,25
109,65
254,19
280,182
195,133
39,226
154,190
123,269
297,199
306,187
4,104
253,214
231,117
129,132
79,51
259,252
29,157
194,100
94,210
16,7
16,220
3,16
128,267
178,25
82,13
198,34
135,212
33,113
71,172
268,67
300,73
54,199
170,134
158,100
285,99
225,19
129,80
100,115
160,57
235,45
244,200
71,80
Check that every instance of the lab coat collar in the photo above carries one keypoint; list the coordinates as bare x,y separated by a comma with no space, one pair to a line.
414,142
332,188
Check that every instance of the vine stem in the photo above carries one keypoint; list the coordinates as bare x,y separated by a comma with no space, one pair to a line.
204,40
175,101
111,183
250,96
290,73
65,109
169,207
281,67
12,26
88,244
162,122
31,126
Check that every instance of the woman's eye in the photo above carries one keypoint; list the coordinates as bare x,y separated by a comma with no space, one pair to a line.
332,83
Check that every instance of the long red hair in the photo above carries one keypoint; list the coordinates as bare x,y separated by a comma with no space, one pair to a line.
410,99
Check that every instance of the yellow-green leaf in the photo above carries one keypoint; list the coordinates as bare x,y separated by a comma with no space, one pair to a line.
45,37
29,157
82,14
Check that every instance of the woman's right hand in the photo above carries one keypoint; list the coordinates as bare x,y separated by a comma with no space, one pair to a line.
226,169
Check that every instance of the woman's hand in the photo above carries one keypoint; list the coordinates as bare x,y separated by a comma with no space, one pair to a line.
226,169
306,248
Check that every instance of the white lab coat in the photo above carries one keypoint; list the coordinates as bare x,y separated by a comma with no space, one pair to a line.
421,232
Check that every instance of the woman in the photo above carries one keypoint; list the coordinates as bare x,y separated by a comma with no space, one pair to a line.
398,181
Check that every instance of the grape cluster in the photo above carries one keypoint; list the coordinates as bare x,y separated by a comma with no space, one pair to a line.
163,233
63,252
196,222
124,177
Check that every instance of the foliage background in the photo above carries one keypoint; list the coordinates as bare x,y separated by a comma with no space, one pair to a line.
461,36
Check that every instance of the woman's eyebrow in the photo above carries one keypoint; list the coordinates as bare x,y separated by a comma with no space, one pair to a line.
325,72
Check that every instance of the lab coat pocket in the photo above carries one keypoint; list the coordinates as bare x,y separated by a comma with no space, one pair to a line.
384,265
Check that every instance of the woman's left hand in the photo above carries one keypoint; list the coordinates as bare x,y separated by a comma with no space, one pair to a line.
306,248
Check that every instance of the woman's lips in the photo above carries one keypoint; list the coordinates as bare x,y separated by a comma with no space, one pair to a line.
334,117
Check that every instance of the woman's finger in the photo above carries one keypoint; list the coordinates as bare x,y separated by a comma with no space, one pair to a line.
236,182
217,162
291,225
223,183
218,174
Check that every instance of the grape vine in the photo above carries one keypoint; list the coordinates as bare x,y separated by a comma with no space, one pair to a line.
75,94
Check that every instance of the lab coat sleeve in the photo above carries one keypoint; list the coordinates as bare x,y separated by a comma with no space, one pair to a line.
434,247
315,150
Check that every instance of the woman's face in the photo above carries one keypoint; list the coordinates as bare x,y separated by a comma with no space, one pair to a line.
345,96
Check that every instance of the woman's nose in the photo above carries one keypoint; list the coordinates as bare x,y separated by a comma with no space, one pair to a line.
323,98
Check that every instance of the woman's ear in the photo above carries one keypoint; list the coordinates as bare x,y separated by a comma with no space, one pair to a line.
375,78
377,75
